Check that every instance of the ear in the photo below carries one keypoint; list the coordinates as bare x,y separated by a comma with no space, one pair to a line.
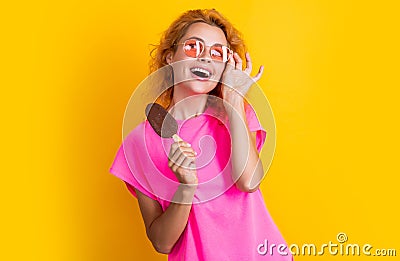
168,58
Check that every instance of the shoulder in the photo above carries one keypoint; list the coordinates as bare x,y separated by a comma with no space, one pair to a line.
141,138
137,133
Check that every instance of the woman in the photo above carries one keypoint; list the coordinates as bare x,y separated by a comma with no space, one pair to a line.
216,210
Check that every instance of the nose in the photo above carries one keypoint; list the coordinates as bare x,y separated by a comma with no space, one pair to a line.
205,56
206,60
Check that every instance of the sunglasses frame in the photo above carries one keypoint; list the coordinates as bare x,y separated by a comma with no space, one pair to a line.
229,51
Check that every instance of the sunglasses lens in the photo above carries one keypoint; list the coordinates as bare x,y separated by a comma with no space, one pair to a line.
193,48
220,53
217,53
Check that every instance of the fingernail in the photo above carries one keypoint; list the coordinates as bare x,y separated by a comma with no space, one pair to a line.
189,144
195,153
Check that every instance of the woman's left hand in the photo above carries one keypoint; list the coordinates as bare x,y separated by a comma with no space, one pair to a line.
235,81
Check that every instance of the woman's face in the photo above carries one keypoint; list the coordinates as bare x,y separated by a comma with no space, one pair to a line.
189,74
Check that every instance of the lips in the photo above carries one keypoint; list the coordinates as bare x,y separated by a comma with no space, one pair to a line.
200,72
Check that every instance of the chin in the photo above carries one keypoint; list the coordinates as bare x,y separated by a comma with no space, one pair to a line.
200,87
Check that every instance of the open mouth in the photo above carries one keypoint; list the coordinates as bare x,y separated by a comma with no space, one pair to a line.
200,72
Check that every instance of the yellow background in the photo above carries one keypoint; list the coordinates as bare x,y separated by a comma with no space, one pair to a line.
69,69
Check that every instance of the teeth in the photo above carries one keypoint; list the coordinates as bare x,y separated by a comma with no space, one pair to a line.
201,70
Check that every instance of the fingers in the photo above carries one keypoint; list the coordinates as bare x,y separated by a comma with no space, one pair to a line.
182,162
181,155
178,145
182,148
178,156
231,61
238,60
259,74
234,76
249,65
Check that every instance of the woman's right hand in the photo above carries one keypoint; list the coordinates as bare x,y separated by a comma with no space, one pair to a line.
181,160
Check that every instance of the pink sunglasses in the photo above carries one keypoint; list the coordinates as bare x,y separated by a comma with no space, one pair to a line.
218,52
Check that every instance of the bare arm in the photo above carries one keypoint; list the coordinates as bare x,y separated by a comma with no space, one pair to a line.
247,167
246,164
164,228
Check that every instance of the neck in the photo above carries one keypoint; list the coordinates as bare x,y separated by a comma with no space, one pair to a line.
184,107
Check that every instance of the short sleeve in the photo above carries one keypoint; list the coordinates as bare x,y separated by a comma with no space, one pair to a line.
120,169
255,126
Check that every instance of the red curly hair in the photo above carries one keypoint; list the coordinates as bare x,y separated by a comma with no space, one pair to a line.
178,29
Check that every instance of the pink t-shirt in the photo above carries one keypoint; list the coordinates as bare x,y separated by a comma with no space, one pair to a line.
224,223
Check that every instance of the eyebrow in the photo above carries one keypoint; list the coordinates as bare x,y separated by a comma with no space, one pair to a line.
197,38
194,37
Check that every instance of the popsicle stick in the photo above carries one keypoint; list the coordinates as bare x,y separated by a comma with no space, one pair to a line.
176,138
